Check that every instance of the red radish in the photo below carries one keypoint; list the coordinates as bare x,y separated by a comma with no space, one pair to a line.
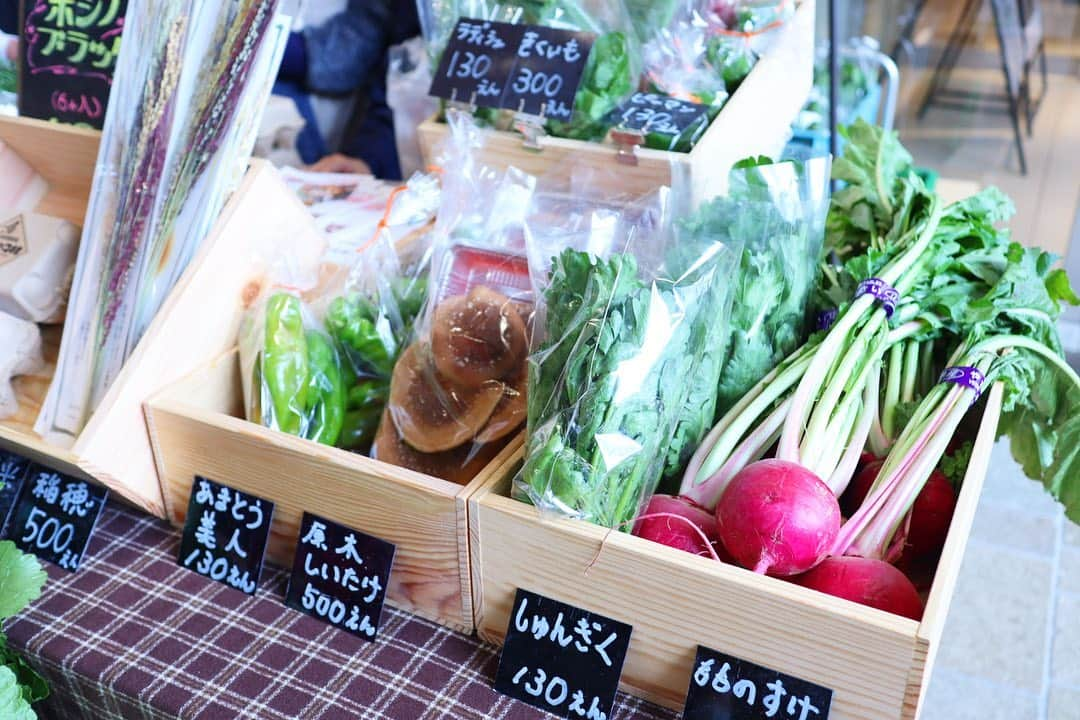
682,524
869,582
777,517
931,516
860,486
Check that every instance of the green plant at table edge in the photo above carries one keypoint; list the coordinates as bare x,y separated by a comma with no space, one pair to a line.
21,580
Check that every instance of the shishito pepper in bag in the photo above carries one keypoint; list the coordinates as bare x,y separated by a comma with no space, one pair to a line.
297,382
325,408
284,366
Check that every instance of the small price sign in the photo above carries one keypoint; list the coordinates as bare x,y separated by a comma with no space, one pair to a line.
562,659
727,688
524,68
340,576
549,66
54,515
225,534
12,472
478,62
652,113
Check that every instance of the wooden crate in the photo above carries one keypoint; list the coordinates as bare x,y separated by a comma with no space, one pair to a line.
198,429
114,447
756,120
877,664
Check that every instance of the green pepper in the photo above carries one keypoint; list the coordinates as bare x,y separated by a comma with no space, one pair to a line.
369,392
326,391
285,364
359,428
353,321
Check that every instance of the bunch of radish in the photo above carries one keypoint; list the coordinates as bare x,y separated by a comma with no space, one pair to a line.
932,304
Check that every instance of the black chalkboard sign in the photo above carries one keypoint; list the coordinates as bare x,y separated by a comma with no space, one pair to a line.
652,113
12,471
524,68
69,50
340,576
477,63
225,534
54,516
723,687
560,658
549,66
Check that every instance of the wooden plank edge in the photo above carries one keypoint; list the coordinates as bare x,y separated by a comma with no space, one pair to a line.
468,534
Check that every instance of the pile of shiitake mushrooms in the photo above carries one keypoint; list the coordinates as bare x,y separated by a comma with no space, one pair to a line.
456,399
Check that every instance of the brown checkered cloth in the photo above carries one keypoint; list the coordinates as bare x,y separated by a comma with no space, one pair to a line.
133,635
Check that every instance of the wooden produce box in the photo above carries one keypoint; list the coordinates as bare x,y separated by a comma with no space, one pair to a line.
876,663
756,120
199,429
114,448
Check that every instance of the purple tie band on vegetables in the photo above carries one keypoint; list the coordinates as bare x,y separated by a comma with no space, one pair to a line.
826,318
967,376
880,291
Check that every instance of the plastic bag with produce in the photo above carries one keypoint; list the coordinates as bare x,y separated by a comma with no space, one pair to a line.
457,392
371,323
778,210
293,377
622,380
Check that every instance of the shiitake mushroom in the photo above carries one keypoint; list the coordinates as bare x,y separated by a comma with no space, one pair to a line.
459,465
511,410
477,337
433,414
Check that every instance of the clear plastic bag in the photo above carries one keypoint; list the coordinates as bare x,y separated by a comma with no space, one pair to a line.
371,323
677,63
407,81
619,387
457,392
292,369
353,323
778,210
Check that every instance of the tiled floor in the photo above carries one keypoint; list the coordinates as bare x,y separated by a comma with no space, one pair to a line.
1011,649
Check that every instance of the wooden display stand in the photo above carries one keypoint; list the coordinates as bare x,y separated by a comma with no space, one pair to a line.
876,663
199,428
114,448
756,120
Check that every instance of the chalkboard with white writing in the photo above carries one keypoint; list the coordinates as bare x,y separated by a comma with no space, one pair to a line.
340,576
54,515
560,658
68,55
225,534
524,68
723,687
12,471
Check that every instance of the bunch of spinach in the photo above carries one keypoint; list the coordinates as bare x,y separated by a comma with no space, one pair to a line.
610,404
782,235
21,580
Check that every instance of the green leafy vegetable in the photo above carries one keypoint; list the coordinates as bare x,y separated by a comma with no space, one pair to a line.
21,580
606,82
612,398
13,705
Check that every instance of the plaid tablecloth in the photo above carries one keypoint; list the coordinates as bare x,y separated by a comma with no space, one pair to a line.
133,635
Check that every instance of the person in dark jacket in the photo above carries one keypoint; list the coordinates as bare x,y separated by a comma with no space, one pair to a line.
348,54
9,23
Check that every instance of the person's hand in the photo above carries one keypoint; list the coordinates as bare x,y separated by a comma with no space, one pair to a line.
11,50
338,163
